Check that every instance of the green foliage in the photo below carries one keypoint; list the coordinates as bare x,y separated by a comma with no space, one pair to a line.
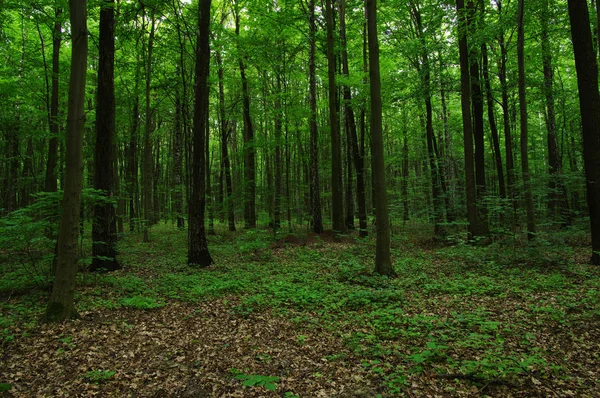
98,376
142,302
268,382
5,387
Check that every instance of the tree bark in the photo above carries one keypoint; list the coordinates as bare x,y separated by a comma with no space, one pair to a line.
198,253
249,150
558,205
523,119
475,228
337,193
50,184
61,306
315,190
147,167
589,102
383,261
104,226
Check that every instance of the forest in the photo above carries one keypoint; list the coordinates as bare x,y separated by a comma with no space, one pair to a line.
299,198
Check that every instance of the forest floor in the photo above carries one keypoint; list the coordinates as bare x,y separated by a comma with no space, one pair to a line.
303,316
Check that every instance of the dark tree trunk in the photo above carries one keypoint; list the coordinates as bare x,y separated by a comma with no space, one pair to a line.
492,120
478,124
589,101
178,164
50,184
425,72
337,193
60,306
508,145
355,153
226,127
147,162
315,190
198,253
558,205
132,164
523,118
278,158
476,227
383,262
405,174
104,226
249,150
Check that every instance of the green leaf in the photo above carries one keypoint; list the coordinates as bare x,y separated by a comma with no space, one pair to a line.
5,387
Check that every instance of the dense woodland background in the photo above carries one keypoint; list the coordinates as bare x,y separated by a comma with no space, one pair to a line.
299,122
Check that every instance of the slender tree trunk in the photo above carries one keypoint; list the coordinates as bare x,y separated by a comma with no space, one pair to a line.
148,163
249,150
383,262
558,205
357,156
478,124
132,164
405,174
476,227
226,127
589,101
523,117
50,184
315,190
425,72
198,253
178,163
508,145
104,226
337,193
492,121
60,306
278,158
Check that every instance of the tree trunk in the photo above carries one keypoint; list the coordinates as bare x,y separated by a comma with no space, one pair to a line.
558,205
315,190
249,150
475,228
278,158
50,184
60,306
178,164
226,127
508,145
198,253
492,120
589,102
357,157
337,194
383,262
147,171
523,118
104,226
478,125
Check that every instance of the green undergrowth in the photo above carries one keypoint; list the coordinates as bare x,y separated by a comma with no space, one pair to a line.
482,314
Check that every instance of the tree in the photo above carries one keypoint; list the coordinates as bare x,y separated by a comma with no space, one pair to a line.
249,150
523,119
354,150
52,159
337,192
383,261
589,102
104,228
198,253
60,306
476,227
147,163
315,190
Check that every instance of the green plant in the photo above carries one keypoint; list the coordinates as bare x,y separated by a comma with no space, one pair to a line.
142,303
5,387
268,382
98,376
